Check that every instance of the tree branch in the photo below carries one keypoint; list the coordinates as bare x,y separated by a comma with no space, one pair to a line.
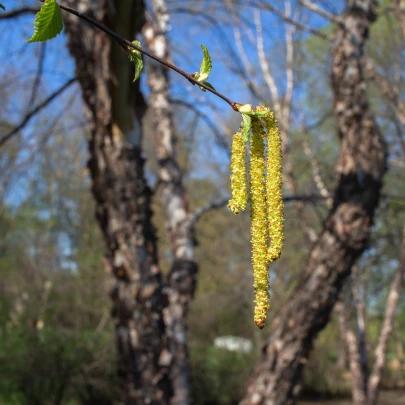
126,45
219,137
289,20
38,76
216,204
213,205
319,10
38,108
18,12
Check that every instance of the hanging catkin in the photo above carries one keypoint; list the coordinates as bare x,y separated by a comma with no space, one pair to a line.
238,174
266,207
274,195
259,230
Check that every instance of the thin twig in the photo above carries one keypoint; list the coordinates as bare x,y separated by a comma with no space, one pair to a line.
125,44
219,137
39,107
237,66
213,205
319,10
268,77
38,76
18,12
289,20
217,204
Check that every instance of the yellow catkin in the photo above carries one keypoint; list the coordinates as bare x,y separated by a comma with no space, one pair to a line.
266,198
238,175
259,228
275,205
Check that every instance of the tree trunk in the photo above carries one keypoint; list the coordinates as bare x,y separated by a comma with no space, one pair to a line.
386,329
115,107
359,380
361,169
365,387
360,309
399,7
182,277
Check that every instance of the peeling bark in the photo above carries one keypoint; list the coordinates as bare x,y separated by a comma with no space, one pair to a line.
181,282
115,106
361,168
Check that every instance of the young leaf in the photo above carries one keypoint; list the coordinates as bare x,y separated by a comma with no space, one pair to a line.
205,69
1,6
209,85
206,64
136,58
202,77
48,22
256,114
247,126
246,109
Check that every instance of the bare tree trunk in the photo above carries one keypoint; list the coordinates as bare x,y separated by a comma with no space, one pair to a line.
360,325
359,388
399,6
361,169
365,388
355,344
182,277
381,349
115,107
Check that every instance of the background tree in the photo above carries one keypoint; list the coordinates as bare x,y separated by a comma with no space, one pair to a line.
295,83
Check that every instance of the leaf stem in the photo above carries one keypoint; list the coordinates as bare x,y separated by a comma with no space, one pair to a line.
125,44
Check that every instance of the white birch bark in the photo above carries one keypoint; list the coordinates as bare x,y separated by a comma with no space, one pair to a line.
182,278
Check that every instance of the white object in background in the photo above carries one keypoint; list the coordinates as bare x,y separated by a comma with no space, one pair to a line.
234,344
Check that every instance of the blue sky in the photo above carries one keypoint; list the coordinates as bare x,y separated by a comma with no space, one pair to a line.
19,62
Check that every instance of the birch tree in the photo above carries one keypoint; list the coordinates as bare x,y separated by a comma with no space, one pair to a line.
360,171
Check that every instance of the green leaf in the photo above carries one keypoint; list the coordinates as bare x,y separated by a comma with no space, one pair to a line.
205,69
48,22
1,6
247,126
206,64
256,114
136,58
209,85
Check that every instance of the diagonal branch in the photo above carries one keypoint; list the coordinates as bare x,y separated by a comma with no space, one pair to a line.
219,137
18,12
213,205
216,204
268,77
127,46
289,20
388,90
38,75
319,10
316,172
35,111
